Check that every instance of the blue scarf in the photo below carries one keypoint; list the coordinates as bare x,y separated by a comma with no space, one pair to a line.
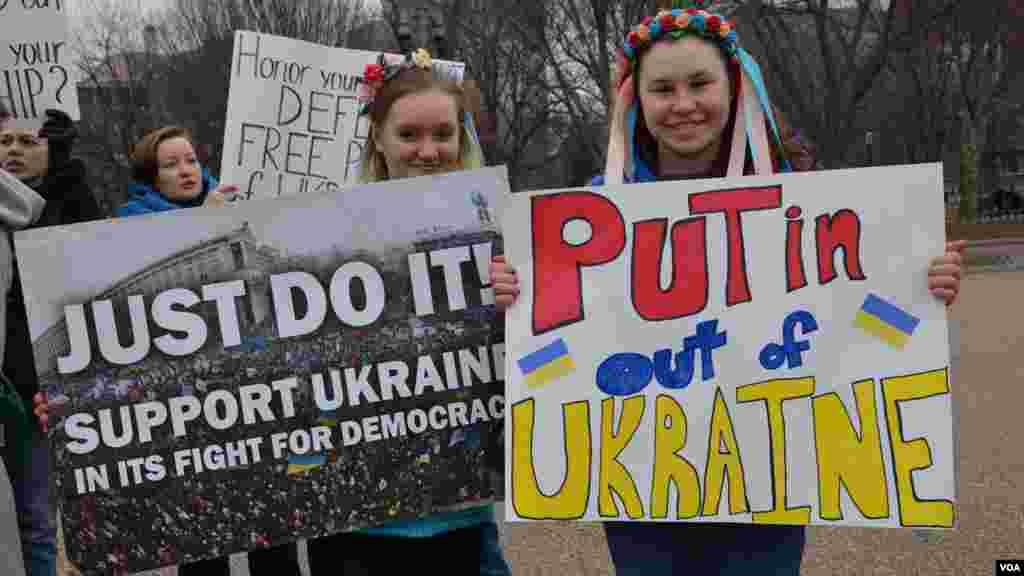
144,199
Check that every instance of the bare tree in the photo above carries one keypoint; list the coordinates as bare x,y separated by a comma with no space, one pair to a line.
980,42
198,37
545,70
823,59
115,77
328,22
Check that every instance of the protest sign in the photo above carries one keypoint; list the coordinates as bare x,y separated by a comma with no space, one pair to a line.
35,61
293,123
754,350
277,369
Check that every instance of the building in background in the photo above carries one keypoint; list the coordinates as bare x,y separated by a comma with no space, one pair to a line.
233,256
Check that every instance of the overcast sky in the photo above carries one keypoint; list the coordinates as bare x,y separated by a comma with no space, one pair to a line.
77,8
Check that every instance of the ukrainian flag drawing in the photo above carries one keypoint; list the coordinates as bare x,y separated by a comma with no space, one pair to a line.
300,464
886,321
547,364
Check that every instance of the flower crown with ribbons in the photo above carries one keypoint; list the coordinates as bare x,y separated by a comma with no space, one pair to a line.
676,23
376,75
692,17
389,66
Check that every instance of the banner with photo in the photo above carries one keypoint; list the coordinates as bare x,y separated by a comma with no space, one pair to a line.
223,379
753,350
293,124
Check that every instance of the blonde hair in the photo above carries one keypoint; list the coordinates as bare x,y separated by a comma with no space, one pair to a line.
372,166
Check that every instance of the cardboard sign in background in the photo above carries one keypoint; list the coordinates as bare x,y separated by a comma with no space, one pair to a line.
36,69
292,123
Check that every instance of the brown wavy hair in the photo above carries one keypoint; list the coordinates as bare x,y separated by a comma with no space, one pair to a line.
145,166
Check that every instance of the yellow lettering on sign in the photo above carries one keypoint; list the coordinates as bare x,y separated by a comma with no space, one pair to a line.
723,459
613,475
848,459
773,393
669,466
570,501
915,454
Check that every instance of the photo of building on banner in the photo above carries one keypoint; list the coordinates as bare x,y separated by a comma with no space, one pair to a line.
293,111
36,69
224,379
751,350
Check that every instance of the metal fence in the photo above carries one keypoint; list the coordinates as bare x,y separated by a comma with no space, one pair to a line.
988,212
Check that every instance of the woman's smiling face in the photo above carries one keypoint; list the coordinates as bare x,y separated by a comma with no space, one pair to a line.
420,135
685,94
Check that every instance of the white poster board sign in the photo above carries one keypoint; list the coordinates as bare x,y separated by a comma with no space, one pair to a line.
752,350
35,61
293,123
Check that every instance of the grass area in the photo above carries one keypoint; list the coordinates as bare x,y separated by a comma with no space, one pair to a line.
980,260
975,260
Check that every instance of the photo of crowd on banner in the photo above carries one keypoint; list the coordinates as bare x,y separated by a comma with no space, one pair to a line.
364,484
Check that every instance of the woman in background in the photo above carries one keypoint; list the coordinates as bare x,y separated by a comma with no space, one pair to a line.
168,176
42,161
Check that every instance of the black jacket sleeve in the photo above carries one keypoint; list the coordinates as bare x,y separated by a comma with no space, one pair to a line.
81,206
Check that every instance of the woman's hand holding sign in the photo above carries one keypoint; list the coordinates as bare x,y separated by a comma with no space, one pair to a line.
41,408
221,196
505,282
944,273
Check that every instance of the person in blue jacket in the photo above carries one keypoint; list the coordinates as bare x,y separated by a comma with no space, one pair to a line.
675,112
168,176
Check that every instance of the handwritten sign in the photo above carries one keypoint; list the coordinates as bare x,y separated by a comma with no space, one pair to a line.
35,61
293,123
280,369
755,350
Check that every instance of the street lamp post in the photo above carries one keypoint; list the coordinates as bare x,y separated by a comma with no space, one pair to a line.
404,35
440,37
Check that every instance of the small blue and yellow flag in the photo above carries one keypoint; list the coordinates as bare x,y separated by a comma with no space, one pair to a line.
300,464
886,321
547,364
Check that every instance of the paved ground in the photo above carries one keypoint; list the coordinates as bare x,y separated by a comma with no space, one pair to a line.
988,323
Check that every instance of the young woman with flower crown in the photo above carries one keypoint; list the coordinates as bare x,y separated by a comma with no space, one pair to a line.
689,99
420,123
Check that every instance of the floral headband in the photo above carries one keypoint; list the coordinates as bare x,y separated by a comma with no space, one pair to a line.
675,24
376,75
